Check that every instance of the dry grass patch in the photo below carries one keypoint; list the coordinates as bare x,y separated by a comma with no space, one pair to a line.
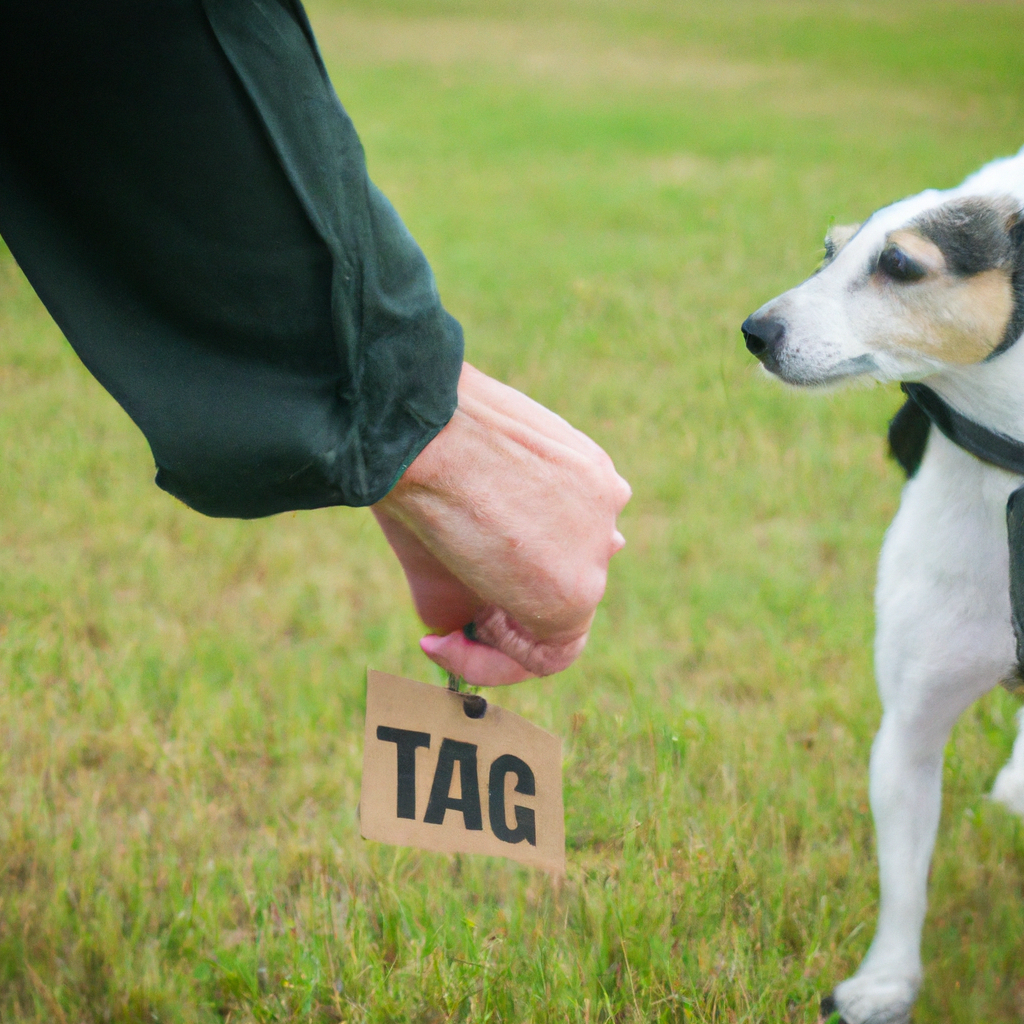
562,53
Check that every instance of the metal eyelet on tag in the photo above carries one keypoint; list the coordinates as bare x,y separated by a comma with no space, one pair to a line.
474,705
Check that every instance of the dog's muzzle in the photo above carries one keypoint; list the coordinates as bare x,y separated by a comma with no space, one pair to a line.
764,336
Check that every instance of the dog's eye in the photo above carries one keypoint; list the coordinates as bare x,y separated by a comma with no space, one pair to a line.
895,263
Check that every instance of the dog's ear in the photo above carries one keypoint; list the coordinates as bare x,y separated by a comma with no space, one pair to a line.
838,235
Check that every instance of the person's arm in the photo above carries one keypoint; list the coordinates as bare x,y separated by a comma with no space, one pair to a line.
506,520
213,248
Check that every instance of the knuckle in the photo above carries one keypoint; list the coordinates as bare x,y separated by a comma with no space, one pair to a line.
585,593
605,480
550,658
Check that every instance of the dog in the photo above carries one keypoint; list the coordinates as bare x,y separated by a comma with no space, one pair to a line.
928,292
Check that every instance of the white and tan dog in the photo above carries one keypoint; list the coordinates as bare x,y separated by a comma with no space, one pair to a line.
929,290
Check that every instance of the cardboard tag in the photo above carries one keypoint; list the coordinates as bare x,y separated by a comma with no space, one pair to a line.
436,779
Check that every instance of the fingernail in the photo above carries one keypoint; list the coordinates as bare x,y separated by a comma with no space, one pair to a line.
431,644
618,541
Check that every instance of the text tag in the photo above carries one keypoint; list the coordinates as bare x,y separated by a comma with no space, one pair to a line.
436,779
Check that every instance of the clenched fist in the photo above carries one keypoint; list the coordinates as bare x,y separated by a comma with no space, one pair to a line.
505,521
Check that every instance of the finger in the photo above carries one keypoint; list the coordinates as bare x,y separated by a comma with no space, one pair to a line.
501,399
497,629
478,664
442,600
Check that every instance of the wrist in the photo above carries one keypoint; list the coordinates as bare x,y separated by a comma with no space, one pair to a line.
430,469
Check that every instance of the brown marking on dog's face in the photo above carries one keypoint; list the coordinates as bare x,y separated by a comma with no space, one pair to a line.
923,252
957,321
838,235
955,277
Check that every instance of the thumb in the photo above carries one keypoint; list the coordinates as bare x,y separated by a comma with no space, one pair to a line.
477,663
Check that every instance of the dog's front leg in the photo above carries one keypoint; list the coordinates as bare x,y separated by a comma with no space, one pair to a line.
1009,785
906,779
943,639
906,796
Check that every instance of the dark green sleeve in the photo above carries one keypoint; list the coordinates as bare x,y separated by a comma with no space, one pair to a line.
185,192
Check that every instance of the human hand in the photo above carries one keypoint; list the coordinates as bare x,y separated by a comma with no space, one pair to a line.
506,520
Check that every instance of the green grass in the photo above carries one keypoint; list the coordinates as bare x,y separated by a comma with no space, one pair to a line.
605,189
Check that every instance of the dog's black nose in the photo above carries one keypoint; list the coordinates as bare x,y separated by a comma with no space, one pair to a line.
763,336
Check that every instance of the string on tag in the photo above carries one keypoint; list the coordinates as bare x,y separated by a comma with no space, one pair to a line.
473,704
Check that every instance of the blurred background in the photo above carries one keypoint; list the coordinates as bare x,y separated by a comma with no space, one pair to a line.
605,189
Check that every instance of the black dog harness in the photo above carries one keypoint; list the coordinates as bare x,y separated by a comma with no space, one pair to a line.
908,435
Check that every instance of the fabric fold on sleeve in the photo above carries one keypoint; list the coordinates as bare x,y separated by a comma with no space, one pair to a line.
181,186
401,349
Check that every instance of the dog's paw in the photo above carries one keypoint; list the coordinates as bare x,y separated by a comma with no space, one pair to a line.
830,1012
870,999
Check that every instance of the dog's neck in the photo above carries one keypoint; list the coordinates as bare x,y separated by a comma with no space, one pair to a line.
990,393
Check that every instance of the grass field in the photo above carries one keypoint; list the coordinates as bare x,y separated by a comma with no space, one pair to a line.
605,189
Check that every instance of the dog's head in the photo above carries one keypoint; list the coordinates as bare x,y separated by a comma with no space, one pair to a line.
932,282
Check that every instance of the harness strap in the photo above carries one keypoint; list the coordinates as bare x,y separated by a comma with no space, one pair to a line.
908,435
1015,535
988,445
